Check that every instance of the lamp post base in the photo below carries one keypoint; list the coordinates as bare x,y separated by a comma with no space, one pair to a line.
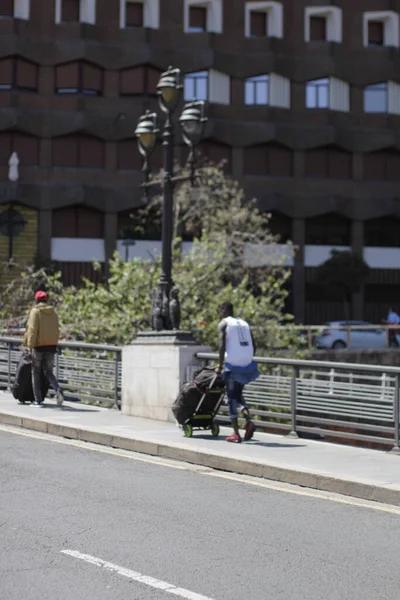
154,367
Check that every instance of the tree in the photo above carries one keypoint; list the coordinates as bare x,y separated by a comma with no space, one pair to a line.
227,233
345,271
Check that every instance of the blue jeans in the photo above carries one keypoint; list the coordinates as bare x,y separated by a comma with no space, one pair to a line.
234,392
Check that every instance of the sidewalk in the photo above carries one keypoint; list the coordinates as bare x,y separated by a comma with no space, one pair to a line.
358,472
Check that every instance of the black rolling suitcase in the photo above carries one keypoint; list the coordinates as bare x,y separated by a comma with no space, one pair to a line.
22,388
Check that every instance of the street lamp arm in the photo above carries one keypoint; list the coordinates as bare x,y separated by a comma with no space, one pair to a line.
174,179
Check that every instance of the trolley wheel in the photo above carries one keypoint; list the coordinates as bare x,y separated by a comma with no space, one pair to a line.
215,429
187,430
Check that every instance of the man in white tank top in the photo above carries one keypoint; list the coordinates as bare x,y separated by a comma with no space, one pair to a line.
236,352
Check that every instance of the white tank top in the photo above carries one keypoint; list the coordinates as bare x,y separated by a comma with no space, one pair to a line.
239,345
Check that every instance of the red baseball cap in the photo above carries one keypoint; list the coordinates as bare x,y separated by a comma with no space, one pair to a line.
41,296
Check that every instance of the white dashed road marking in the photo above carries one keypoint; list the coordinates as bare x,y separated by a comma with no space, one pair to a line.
149,581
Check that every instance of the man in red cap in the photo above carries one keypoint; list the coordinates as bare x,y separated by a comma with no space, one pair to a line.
41,338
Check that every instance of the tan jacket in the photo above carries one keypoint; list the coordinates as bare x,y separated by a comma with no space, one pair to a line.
43,327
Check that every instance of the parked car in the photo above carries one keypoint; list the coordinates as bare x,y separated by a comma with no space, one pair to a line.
333,337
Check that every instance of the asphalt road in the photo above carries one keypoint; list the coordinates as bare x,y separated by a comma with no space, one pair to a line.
83,524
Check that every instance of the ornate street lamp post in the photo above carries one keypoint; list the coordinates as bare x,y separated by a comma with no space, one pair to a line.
165,313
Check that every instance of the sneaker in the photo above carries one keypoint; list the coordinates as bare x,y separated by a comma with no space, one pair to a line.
249,431
60,398
37,404
235,438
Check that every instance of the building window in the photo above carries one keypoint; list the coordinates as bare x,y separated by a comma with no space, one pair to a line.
256,90
75,11
323,23
196,86
79,78
6,9
200,16
70,11
328,230
75,151
375,33
268,159
139,81
281,225
263,19
258,24
381,28
330,93
328,163
382,166
317,93
26,146
139,13
376,98
18,74
77,222
317,29
197,19
382,232
134,14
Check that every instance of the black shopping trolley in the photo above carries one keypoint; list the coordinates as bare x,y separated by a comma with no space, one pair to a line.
207,408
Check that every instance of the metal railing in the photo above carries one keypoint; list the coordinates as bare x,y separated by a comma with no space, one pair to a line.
88,372
327,399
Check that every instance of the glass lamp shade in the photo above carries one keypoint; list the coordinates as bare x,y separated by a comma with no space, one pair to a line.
146,132
169,95
147,139
169,88
192,123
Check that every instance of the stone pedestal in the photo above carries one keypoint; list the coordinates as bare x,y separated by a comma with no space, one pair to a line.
154,367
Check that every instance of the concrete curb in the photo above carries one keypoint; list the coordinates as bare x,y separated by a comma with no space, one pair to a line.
310,480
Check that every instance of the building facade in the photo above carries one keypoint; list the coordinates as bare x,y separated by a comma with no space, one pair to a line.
304,104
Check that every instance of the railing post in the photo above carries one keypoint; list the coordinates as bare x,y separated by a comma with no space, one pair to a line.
58,364
116,380
293,401
396,448
9,365
309,338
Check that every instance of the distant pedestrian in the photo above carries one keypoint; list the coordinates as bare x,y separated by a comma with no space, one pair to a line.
236,362
41,338
393,319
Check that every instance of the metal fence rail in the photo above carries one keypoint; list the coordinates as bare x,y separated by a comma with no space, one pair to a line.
88,372
336,400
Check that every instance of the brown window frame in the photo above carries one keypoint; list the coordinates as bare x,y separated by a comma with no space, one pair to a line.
379,38
75,211
9,10
318,22
146,79
13,147
13,85
78,139
326,156
76,18
258,21
386,157
80,87
329,229
202,13
134,25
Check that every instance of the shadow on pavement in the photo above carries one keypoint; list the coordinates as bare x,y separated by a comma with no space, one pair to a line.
68,408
